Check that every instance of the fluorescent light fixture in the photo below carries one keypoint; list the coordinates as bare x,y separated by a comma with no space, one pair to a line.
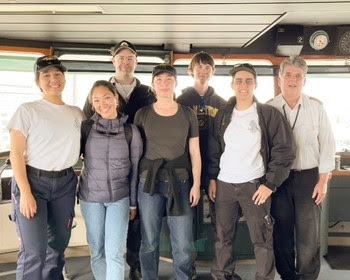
229,62
288,50
19,54
86,57
107,58
325,62
51,9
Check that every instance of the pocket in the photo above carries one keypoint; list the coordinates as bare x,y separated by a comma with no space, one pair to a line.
310,134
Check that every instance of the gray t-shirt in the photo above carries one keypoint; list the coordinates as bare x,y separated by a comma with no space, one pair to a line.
167,136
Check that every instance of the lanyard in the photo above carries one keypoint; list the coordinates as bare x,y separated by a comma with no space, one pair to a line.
296,117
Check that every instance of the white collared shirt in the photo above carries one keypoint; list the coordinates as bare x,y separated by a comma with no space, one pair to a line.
312,132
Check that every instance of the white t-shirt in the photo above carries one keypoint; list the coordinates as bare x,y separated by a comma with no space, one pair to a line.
241,161
52,132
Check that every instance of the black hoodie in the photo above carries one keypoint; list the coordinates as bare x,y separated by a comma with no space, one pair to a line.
205,108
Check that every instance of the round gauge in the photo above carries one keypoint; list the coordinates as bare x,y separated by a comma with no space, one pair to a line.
344,43
319,40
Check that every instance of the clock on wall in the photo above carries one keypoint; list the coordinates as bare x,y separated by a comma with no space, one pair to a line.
319,40
344,43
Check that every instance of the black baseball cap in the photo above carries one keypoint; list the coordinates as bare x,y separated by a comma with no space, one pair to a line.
123,45
242,67
161,68
45,62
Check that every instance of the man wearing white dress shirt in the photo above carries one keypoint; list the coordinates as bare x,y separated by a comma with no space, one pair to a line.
296,205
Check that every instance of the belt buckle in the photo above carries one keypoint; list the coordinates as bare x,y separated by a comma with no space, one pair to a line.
297,170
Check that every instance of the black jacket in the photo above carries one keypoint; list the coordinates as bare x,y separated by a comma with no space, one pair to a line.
140,97
277,143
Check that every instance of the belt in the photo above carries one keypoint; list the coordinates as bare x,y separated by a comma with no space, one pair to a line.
303,170
50,174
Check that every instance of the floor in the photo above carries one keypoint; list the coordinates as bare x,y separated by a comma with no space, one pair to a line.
79,268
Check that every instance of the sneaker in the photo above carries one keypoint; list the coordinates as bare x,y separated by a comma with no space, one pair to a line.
135,274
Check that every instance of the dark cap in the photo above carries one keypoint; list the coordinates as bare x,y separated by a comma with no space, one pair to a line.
161,68
123,45
45,62
242,67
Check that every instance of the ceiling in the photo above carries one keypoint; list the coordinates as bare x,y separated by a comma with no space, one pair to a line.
179,24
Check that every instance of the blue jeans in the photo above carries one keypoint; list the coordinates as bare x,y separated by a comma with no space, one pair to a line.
152,209
44,238
106,231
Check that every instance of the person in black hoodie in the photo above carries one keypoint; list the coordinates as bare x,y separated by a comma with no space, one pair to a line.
203,99
132,96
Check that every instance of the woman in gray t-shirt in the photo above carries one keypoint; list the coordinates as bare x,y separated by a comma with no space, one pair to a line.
170,162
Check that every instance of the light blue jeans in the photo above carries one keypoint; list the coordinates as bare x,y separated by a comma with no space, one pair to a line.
106,232
152,209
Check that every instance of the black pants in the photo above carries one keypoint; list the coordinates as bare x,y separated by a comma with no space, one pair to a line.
133,243
297,216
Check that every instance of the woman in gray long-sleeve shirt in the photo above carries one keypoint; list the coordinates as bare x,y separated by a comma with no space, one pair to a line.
107,188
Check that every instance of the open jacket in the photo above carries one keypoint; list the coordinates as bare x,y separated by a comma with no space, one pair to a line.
277,143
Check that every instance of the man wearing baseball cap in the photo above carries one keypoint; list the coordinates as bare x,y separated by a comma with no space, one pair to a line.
250,152
132,96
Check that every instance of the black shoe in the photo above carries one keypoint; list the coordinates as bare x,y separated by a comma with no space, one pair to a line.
194,273
135,274
233,276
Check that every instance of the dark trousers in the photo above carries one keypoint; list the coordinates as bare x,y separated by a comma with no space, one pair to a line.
133,243
44,238
229,199
297,216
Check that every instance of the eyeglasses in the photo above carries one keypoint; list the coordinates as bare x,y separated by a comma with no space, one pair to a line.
126,58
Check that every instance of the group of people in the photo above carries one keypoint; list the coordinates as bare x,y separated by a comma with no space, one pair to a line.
148,155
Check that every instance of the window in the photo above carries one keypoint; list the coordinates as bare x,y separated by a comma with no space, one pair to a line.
18,86
332,91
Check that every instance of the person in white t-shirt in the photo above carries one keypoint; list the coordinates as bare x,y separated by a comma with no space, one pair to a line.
44,145
250,152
